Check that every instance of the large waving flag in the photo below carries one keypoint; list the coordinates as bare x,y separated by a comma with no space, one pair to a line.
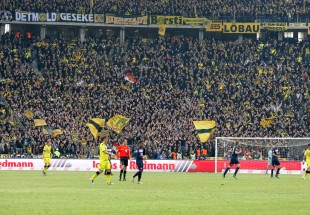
95,126
39,122
205,129
117,123
57,131
267,121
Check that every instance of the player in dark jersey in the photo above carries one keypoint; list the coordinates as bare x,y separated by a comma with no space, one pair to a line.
275,161
139,161
235,151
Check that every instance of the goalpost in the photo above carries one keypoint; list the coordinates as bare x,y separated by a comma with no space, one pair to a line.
254,156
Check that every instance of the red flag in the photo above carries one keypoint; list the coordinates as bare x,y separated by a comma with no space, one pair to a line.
129,77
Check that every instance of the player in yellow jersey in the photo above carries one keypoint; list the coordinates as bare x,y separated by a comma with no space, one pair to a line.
307,159
47,152
104,162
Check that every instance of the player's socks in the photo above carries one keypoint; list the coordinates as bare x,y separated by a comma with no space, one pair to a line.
272,172
226,170
236,171
137,173
278,170
267,168
120,174
139,176
124,175
95,175
45,168
108,177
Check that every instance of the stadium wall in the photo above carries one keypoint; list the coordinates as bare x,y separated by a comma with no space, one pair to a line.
291,167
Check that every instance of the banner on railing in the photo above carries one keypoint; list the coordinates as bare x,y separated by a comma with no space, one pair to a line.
297,24
58,17
132,20
166,20
195,21
275,26
214,26
241,28
251,166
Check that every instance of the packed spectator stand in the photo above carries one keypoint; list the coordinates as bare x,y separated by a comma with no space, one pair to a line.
243,10
179,80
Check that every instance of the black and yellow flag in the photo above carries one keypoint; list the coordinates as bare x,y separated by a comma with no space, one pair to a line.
95,126
39,122
267,121
117,123
28,114
162,29
205,129
57,131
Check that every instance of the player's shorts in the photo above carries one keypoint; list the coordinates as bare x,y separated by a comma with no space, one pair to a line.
275,162
124,161
308,165
104,164
139,165
47,161
233,161
269,161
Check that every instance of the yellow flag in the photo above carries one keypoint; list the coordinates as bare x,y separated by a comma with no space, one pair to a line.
45,132
95,126
267,121
117,123
57,131
28,114
162,29
39,122
205,129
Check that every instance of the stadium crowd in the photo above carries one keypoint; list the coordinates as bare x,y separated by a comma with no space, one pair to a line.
248,9
179,80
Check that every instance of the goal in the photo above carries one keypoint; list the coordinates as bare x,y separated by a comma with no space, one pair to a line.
254,156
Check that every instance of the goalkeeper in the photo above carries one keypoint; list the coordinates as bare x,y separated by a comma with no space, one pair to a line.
139,161
307,159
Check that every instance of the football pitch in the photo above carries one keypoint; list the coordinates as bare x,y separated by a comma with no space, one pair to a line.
29,192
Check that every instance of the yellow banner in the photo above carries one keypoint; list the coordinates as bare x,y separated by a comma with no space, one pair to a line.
205,129
309,28
39,122
267,121
214,26
275,26
241,28
140,20
195,21
167,20
162,30
117,123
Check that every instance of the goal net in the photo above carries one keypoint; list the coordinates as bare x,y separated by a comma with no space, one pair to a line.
254,156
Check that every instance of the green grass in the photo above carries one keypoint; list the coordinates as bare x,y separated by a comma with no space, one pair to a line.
29,192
